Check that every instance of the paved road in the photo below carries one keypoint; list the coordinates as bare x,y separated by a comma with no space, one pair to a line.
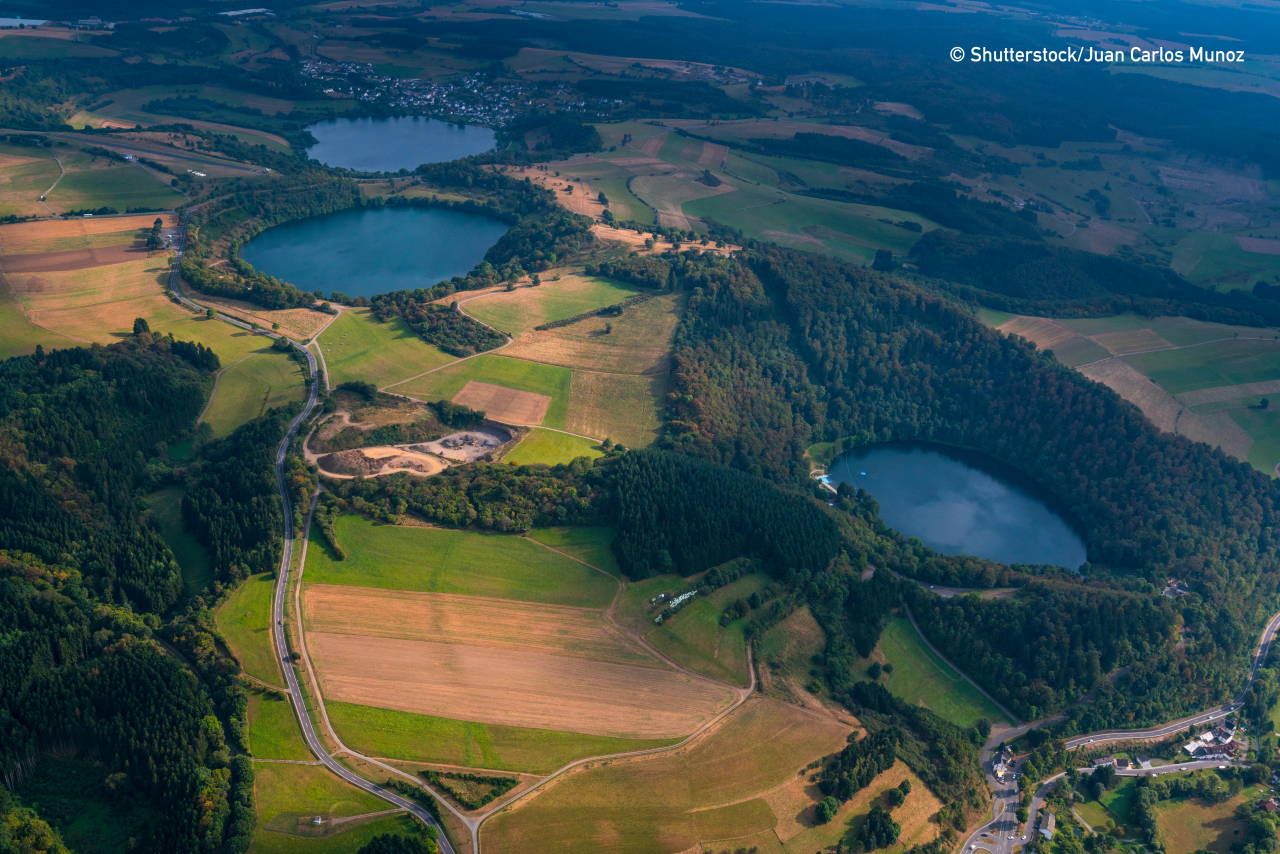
105,141
277,608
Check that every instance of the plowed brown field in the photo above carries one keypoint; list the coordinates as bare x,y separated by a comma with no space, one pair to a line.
504,404
70,259
513,687
470,621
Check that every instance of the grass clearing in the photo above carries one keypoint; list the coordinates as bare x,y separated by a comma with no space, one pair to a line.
591,545
523,309
649,804
786,655
922,678
273,728
196,563
313,789
350,837
358,347
433,560
695,639
247,390
1186,825
627,409
245,621
422,738
120,187
1119,801
25,174
547,447
549,380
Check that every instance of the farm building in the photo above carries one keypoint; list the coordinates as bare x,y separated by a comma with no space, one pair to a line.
1046,825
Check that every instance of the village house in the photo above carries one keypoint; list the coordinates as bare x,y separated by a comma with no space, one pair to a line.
1046,825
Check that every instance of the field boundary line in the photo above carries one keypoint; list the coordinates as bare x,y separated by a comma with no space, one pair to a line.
1175,347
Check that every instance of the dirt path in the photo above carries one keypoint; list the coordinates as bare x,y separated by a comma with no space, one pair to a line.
45,194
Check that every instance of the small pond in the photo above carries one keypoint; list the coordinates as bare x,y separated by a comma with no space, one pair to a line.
962,503
392,144
368,251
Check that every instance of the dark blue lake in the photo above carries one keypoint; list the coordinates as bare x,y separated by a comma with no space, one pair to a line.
963,503
368,251
392,144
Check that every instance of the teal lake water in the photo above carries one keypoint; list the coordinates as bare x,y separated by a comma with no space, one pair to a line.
962,503
370,251
392,144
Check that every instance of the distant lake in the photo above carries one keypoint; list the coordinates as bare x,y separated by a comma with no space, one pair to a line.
368,251
962,503
392,144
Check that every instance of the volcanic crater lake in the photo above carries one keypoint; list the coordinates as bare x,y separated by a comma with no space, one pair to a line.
392,144
959,502
368,251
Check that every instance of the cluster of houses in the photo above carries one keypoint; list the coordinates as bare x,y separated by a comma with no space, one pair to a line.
1002,765
1218,743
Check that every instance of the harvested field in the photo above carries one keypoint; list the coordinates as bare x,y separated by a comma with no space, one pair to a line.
711,790
470,621
1137,341
504,404
712,155
667,193
1041,331
56,235
640,342
624,408
301,324
795,805
650,145
70,259
525,308
512,687
1259,244
89,304
1229,392
1162,410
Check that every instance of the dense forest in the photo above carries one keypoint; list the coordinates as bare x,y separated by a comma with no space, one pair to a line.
82,584
810,349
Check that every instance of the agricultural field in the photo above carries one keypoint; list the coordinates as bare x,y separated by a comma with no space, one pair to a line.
539,379
117,186
196,563
357,347
1187,825
639,341
1202,380
625,408
345,837
288,796
246,390
26,172
547,447
494,661
245,621
18,45
730,784
589,545
523,309
469,744
433,560
920,677
695,639
273,728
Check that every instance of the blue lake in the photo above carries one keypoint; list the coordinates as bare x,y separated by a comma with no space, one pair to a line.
368,251
392,144
962,503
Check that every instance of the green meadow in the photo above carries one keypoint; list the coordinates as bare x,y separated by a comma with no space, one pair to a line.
120,187
197,565
551,448
357,346
424,738
590,545
1221,363
523,309
433,560
695,639
245,621
245,391
273,728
